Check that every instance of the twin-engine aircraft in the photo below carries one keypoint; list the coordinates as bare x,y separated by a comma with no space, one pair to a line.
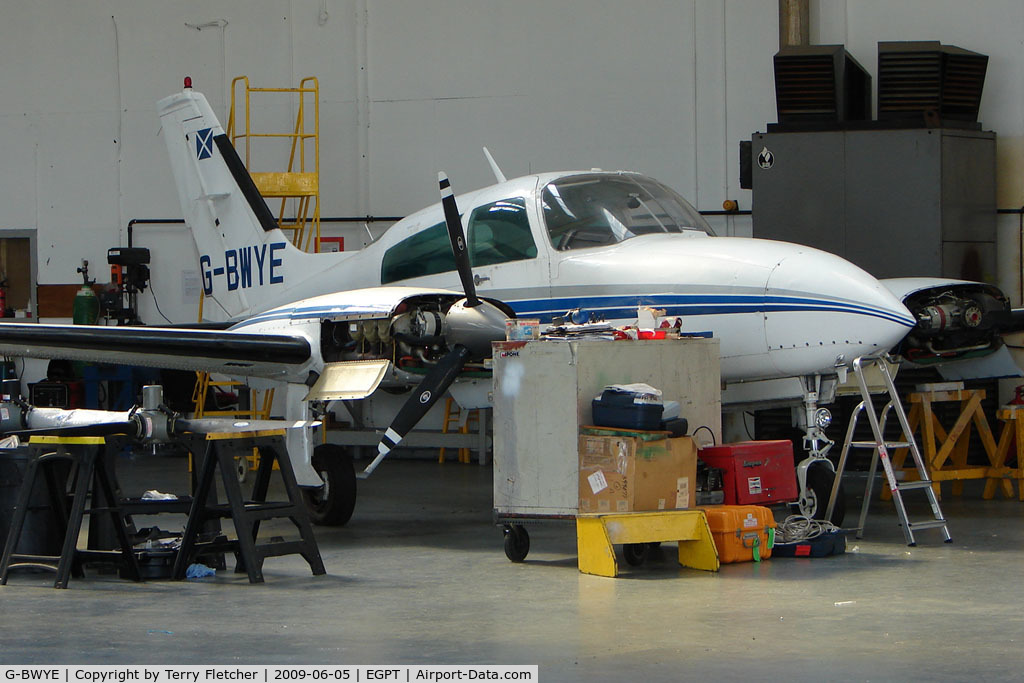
408,310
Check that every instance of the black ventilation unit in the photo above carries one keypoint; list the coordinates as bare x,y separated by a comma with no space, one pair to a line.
820,84
929,81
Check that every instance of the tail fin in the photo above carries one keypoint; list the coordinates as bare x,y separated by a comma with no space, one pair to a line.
245,261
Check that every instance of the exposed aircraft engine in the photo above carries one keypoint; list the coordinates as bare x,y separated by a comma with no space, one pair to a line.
942,317
956,321
419,324
423,330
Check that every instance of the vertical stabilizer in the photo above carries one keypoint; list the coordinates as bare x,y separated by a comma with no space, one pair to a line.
245,261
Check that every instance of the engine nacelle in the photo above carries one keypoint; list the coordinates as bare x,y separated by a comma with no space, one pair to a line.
954,319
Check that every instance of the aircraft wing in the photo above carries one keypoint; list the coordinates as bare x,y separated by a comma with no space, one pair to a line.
224,351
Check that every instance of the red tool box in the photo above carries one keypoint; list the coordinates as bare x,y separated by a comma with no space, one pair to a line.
754,472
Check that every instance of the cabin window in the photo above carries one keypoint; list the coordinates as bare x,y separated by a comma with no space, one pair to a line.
594,210
425,253
500,232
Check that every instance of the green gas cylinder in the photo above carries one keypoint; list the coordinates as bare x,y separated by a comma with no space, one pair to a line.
86,308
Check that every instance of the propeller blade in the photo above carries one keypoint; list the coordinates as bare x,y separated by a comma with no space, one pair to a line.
222,425
433,386
458,240
129,428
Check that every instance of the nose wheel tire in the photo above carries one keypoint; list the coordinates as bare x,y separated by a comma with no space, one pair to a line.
819,488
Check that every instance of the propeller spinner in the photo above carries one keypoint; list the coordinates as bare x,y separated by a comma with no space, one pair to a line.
471,324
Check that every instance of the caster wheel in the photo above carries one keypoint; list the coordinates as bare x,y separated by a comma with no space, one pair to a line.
517,543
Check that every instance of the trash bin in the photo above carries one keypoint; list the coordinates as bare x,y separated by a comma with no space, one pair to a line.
40,533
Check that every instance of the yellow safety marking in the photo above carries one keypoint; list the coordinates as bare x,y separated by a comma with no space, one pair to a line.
222,436
69,440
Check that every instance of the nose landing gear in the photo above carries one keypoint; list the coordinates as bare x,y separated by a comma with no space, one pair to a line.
816,473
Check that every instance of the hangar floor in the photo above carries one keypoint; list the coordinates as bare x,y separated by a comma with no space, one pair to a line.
419,576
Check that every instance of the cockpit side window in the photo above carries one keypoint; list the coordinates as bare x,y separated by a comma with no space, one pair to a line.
594,210
425,253
500,232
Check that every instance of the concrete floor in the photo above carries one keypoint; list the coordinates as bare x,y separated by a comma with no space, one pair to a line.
419,576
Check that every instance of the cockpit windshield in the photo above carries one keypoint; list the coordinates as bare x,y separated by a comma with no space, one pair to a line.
594,210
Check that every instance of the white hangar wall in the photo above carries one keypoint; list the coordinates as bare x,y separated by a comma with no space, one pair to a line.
666,87
406,89
991,27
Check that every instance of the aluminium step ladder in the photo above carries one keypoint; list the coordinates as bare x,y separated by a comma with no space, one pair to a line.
881,447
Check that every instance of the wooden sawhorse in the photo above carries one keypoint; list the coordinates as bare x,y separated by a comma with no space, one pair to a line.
954,443
999,475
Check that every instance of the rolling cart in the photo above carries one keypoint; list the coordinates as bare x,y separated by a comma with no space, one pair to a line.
543,392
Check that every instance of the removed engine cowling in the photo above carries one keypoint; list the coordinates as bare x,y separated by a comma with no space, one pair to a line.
955,319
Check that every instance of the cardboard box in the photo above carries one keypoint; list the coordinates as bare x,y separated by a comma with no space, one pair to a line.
631,474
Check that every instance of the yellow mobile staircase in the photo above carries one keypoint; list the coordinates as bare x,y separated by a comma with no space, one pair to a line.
300,182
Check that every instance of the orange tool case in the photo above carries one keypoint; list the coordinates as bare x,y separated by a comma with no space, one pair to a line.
742,533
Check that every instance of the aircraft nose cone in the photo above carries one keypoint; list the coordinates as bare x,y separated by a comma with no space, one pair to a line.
819,303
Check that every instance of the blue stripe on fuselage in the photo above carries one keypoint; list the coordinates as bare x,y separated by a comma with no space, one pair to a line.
618,307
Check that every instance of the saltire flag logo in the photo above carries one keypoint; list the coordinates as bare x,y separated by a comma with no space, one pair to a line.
204,143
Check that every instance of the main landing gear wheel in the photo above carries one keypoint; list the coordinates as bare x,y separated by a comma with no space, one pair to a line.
517,542
333,503
819,488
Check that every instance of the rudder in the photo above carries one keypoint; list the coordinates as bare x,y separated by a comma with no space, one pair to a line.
244,259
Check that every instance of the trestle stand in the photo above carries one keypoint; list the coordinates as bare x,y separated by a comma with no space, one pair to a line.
219,450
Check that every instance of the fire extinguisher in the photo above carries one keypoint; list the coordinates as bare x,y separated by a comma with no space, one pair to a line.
3,298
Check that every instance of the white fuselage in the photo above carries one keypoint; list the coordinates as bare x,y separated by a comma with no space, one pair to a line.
778,309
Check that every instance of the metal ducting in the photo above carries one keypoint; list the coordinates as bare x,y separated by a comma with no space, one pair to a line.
820,84
928,80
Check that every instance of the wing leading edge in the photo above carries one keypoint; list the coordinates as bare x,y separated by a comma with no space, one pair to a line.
261,355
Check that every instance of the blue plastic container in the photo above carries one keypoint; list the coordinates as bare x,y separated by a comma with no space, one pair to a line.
620,409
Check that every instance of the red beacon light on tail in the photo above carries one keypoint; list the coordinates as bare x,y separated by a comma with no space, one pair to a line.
188,82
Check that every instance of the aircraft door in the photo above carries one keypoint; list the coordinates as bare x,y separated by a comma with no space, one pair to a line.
504,253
